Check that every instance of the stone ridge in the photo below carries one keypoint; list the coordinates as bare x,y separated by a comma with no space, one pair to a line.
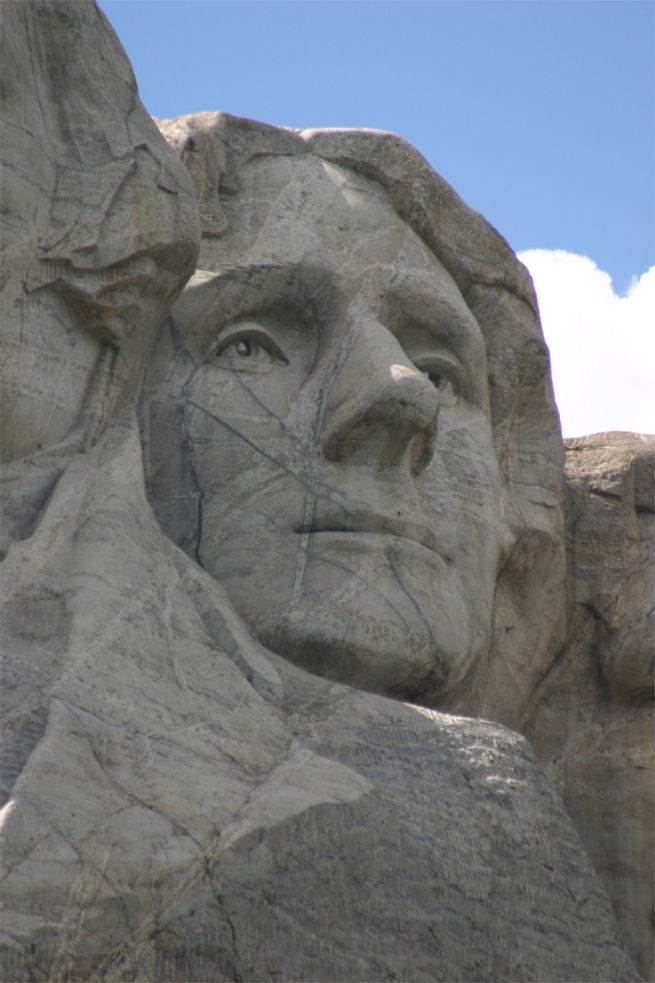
592,718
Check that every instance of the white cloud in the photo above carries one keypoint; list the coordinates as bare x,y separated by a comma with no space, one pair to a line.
602,345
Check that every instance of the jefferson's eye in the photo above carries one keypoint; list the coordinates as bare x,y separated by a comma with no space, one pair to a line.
445,380
435,378
248,346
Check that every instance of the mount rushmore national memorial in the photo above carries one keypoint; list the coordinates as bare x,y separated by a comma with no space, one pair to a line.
295,563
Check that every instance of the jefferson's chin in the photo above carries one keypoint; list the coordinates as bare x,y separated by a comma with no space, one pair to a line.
376,612
380,658
390,623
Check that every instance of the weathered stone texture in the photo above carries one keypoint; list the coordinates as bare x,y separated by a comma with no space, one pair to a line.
182,802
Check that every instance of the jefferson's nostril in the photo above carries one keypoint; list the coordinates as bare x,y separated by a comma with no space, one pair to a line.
421,450
403,403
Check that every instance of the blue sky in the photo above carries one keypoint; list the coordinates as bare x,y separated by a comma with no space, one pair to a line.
539,112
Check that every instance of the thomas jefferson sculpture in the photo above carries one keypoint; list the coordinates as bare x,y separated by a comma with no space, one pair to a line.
332,391
234,594
326,384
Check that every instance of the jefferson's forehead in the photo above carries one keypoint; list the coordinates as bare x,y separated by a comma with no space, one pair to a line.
330,227
309,182
294,206
300,210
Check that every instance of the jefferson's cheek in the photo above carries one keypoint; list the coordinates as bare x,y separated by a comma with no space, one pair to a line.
252,484
229,429
461,494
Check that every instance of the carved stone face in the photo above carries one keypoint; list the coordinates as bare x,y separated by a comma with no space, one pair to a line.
336,416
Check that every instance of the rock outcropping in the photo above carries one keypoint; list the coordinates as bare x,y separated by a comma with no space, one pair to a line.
592,717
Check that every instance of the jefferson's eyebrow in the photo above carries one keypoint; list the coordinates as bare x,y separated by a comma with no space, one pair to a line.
438,309
295,282
212,300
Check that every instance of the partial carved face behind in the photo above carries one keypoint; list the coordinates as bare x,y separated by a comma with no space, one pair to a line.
332,394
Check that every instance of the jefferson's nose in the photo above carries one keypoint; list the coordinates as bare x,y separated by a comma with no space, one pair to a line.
380,408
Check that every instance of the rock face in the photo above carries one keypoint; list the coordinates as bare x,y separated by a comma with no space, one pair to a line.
592,719
336,487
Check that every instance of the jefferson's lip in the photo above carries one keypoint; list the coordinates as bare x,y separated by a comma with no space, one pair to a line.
372,523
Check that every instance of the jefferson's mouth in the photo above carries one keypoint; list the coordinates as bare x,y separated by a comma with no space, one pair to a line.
372,523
